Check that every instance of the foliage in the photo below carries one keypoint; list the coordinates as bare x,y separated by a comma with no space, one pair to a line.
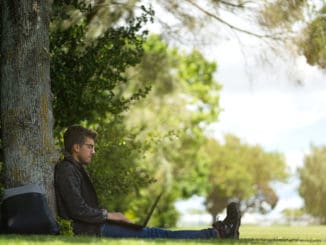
65,226
313,40
183,99
244,172
166,215
291,215
281,13
117,175
87,75
302,24
313,184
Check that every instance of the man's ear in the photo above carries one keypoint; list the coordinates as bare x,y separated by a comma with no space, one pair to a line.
76,148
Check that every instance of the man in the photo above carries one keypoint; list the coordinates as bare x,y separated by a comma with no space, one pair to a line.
77,199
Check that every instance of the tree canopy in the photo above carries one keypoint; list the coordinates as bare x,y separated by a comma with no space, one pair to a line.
313,184
243,172
88,73
295,25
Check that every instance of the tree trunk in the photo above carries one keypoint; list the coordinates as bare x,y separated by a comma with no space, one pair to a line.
26,111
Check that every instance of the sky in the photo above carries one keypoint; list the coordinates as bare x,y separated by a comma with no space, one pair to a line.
269,108
272,99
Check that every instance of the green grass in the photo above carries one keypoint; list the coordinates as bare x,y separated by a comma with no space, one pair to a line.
248,235
283,235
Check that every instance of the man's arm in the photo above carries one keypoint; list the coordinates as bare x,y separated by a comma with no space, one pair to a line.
68,186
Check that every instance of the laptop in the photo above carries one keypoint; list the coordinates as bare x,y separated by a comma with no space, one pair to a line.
137,226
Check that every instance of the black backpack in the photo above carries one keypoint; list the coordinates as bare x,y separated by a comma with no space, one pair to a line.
24,210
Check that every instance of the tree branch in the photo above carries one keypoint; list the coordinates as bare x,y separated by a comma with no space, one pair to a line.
230,25
234,5
97,6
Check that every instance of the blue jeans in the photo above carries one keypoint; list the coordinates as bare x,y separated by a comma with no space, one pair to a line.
116,231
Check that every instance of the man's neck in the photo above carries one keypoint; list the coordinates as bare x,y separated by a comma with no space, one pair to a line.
72,157
76,159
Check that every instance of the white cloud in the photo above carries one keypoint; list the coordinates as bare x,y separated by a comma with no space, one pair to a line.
294,159
264,117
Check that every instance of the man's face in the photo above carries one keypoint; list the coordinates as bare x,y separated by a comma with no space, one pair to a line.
85,151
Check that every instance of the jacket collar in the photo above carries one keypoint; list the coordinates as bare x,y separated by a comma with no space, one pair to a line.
68,157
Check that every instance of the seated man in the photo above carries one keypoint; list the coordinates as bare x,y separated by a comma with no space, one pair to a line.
77,199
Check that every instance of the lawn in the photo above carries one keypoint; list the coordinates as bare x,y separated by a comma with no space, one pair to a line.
249,235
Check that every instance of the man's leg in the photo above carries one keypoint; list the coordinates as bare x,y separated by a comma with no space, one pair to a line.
110,230
226,229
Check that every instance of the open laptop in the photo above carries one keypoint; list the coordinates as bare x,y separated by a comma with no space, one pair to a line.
135,225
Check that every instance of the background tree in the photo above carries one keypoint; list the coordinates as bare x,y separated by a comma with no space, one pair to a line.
313,39
26,111
242,172
170,140
293,215
313,185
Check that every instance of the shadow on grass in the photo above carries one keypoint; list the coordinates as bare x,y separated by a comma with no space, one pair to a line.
48,238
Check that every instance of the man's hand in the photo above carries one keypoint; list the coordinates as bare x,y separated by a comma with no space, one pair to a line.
117,216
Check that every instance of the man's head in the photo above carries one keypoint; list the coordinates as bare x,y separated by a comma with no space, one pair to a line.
79,142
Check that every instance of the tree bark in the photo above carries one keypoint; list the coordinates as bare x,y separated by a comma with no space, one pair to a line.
26,110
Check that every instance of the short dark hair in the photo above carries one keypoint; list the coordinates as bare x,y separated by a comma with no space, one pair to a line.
77,134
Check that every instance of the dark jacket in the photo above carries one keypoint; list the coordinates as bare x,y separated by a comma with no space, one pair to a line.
76,197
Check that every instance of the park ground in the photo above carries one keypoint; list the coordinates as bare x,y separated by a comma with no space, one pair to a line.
248,235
